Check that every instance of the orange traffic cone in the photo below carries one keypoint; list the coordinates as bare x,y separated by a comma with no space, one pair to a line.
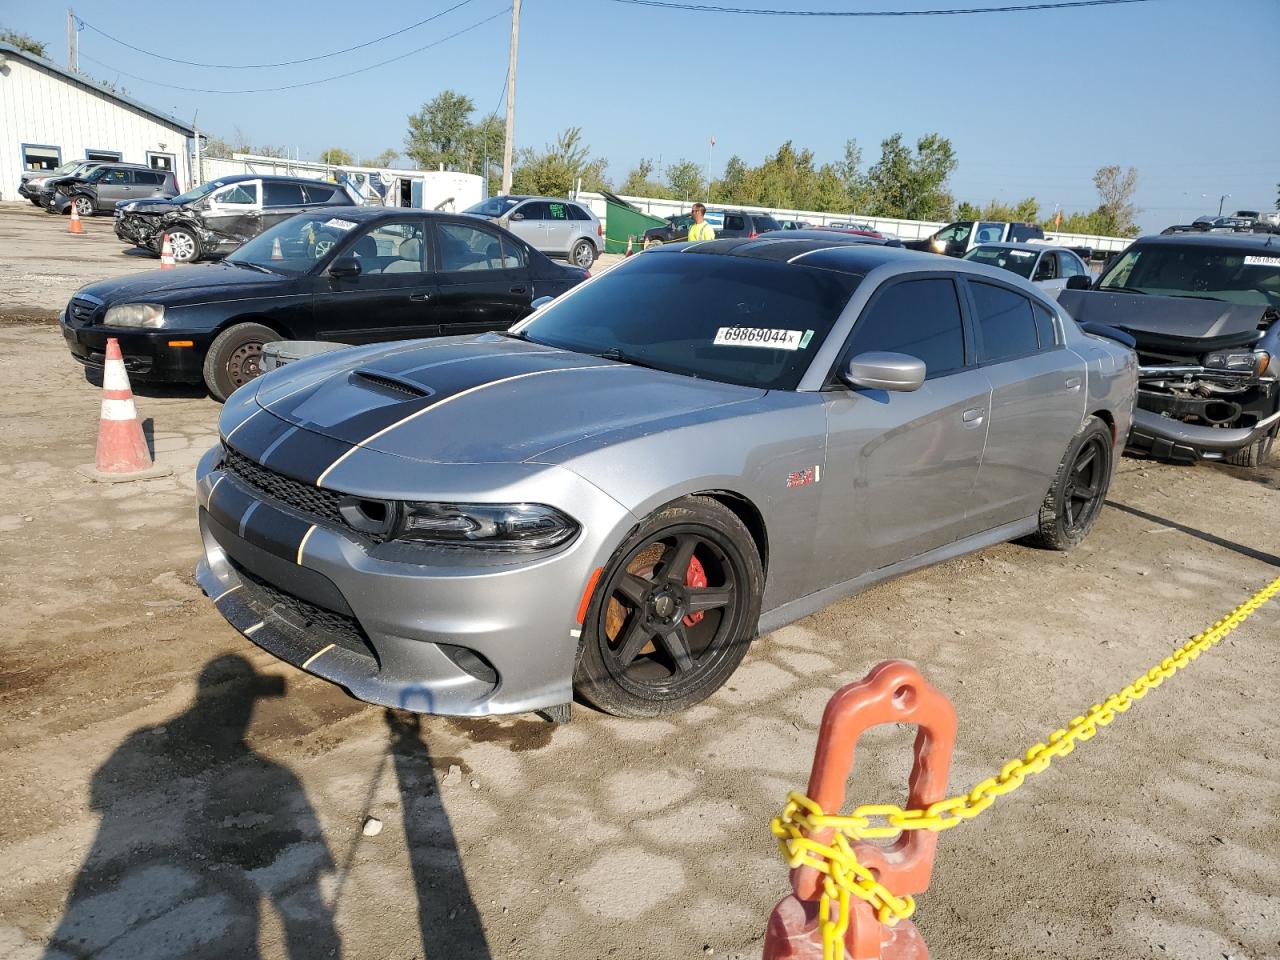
122,448
276,253
166,254
75,226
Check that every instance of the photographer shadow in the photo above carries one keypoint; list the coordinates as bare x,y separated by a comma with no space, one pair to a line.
198,833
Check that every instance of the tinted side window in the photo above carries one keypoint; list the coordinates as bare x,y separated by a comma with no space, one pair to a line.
115,176
1046,330
734,222
766,223
577,213
246,193
558,211
148,179
319,193
465,247
1072,266
920,318
1004,319
535,211
282,194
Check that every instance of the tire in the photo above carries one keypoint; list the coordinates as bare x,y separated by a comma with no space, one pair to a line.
233,357
1079,488
84,206
182,239
1254,455
583,254
643,653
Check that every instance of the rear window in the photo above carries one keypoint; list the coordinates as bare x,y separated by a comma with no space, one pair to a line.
730,319
765,223
577,213
319,193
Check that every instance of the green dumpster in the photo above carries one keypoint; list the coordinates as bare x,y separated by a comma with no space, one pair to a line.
623,221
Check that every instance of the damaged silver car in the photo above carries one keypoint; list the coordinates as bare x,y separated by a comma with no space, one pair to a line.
216,217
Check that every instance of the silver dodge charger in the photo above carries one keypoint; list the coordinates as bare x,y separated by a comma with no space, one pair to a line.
616,496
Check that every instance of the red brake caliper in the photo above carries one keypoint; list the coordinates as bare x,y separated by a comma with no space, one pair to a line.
695,577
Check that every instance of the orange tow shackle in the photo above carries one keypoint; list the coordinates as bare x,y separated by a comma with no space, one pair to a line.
893,692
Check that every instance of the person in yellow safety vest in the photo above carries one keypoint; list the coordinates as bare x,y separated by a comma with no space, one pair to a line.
700,229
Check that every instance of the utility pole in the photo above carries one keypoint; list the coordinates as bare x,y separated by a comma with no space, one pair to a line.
73,52
511,98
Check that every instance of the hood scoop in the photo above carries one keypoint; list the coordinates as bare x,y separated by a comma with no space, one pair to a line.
396,387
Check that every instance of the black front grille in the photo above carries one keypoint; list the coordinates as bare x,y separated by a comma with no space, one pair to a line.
82,311
305,617
293,493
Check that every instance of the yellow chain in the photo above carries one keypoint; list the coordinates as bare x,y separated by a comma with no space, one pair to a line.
844,876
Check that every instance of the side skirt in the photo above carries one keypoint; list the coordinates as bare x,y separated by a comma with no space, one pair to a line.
794,610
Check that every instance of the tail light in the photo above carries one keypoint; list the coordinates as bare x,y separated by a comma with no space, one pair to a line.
599,230
752,235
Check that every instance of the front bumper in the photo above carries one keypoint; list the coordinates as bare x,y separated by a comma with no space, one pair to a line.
450,637
147,353
135,229
55,202
1188,442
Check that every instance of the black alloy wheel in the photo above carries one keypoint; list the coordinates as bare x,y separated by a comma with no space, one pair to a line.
1079,488
673,613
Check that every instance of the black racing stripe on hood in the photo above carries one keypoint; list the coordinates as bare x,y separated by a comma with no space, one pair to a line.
445,379
304,455
255,435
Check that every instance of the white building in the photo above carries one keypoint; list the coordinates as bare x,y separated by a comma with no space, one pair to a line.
49,116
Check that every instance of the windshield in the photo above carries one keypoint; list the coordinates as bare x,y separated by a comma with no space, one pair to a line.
755,323
195,193
1211,273
1017,261
493,207
296,245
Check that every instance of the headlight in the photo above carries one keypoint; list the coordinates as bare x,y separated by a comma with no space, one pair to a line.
135,315
1251,362
504,526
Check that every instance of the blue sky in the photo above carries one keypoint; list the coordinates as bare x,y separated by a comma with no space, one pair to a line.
1033,102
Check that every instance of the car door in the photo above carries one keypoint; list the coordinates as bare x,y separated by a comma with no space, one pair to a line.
528,221
483,279
235,211
559,228
114,186
901,466
392,296
1037,401
1047,274
280,201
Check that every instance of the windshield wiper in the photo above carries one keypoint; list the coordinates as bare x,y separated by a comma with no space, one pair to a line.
1196,296
613,353
515,335
1124,289
250,266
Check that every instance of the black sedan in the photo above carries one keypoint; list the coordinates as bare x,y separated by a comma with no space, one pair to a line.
352,275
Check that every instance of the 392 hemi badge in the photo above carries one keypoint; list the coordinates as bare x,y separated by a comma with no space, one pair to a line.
802,478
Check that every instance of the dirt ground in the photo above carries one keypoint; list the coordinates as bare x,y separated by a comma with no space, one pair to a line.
170,791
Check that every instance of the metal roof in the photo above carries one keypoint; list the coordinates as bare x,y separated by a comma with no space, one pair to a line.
9,50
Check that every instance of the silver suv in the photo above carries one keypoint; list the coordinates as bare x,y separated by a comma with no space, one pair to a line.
558,228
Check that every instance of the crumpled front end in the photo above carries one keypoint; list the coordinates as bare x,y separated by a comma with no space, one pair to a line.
138,229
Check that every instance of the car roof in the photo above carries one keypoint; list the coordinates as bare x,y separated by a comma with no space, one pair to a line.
1251,241
1009,245
274,178
832,253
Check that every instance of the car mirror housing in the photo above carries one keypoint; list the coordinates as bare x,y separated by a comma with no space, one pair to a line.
885,371
1079,283
345,266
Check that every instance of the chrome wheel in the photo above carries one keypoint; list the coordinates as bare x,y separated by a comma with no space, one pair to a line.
183,246
584,254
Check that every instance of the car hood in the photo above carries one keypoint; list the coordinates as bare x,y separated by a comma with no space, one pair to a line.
1151,318
190,284
149,206
481,399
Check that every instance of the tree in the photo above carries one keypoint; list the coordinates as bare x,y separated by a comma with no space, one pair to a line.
685,179
440,132
852,178
1116,189
556,169
1027,211
912,185
787,178
24,42
336,157
640,184
727,188
386,158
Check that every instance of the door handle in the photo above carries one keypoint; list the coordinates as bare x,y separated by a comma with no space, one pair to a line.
973,415
420,297
1073,383
519,289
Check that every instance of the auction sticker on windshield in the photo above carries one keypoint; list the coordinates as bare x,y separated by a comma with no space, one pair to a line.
761,337
1262,261
338,224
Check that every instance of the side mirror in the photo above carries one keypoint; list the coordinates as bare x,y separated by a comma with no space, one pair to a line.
345,266
885,371
1079,283
541,302
517,216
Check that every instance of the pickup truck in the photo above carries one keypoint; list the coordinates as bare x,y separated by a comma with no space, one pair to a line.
957,239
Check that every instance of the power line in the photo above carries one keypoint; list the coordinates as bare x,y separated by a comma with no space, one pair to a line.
282,63
754,11
308,83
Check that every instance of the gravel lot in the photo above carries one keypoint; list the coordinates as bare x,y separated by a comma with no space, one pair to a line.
169,790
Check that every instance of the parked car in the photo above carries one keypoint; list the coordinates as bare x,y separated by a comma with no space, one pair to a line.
1046,266
558,228
1205,312
33,181
795,225
674,230
617,496
218,216
957,239
99,189
739,223
349,275
858,231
